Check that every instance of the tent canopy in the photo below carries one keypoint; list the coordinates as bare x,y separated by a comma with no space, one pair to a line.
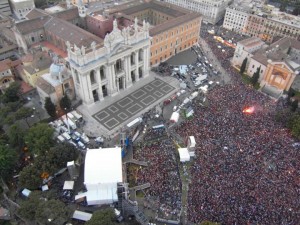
192,141
68,185
174,117
79,215
184,154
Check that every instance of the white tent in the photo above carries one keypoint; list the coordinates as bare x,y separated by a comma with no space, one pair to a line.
184,154
102,172
192,141
45,187
174,117
68,185
79,215
26,192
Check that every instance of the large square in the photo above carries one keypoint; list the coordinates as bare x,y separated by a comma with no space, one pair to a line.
121,111
148,100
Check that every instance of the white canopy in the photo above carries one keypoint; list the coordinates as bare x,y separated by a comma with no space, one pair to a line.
26,192
79,215
68,185
45,187
174,117
192,141
184,154
102,172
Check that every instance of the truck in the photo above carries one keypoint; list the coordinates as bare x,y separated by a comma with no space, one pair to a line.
68,122
66,136
77,115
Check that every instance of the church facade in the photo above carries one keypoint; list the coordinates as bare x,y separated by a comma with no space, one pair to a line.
105,69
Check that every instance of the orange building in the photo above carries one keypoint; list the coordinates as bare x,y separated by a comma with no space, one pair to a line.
173,29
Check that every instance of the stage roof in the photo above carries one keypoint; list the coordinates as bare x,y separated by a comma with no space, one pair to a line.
103,165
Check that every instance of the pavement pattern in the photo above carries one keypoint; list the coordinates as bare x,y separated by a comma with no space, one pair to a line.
118,112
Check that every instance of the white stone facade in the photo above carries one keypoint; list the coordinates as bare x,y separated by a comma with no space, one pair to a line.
235,19
212,10
20,8
104,71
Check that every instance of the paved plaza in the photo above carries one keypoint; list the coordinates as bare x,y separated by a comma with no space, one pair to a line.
119,112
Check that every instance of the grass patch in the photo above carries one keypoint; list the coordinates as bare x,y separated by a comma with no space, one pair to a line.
140,194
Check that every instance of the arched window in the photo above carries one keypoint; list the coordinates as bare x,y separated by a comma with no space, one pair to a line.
141,52
132,58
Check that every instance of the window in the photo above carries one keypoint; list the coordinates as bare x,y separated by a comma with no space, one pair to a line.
102,73
92,77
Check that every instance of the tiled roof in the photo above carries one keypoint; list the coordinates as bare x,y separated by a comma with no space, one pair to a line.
69,32
173,23
4,65
69,14
35,13
28,26
40,62
45,86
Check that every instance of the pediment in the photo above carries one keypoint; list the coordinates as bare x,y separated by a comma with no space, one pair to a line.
119,48
282,66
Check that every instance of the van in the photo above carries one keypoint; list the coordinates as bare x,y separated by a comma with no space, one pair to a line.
60,138
80,145
66,136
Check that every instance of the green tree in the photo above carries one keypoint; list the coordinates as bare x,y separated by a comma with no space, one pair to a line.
16,135
255,76
30,177
7,160
39,138
294,105
24,113
100,217
243,66
12,93
65,103
50,107
296,10
283,5
294,125
28,207
52,212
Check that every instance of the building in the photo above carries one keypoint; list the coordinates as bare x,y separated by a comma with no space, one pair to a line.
172,29
279,63
106,67
37,65
55,84
245,48
263,21
102,173
212,10
6,75
21,7
5,8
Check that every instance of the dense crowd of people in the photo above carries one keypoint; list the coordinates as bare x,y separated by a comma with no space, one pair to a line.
246,170
162,172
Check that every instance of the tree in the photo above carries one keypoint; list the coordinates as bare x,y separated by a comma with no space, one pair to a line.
296,10
12,93
283,5
65,103
294,105
39,138
50,107
30,177
7,160
28,207
243,66
24,113
16,135
294,125
255,76
52,212
100,217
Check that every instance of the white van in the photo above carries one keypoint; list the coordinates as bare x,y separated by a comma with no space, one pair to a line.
81,145
66,136
60,138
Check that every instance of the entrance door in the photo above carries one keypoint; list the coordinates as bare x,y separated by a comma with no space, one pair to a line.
95,95
121,86
104,91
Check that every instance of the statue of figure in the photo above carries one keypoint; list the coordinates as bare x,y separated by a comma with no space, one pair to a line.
93,45
115,24
77,50
135,24
82,50
68,45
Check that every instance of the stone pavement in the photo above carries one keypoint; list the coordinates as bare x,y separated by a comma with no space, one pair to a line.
111,127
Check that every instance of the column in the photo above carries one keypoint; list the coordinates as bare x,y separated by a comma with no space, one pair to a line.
109,79
88,79
113,78
146,61
100,93
85,89
128,72
137,65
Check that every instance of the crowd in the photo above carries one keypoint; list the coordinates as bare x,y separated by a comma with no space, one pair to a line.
162,172
246,170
